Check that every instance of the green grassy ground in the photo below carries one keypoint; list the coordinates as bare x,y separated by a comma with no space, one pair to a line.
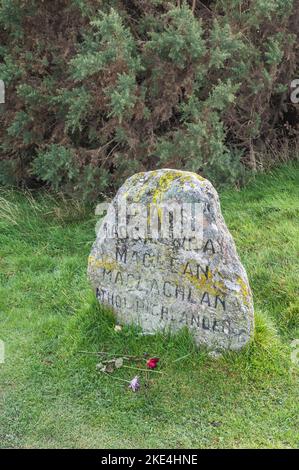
52,396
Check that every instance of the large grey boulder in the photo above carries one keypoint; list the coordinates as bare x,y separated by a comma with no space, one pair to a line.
164,259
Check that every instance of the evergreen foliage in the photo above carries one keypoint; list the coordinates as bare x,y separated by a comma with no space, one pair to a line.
98,90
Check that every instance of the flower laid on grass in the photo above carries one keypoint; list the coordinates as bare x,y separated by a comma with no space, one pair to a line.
152,362
109,363
135,384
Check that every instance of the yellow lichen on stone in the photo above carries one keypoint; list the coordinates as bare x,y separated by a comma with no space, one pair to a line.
244,290
165,181
164,184
131,182
91,260
200,178
145,185
108,265
206,283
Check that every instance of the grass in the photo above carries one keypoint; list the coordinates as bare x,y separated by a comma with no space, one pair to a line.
52,396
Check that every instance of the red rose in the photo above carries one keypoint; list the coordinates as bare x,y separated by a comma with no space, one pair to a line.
152,363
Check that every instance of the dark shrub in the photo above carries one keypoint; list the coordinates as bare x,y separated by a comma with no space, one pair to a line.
99,90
